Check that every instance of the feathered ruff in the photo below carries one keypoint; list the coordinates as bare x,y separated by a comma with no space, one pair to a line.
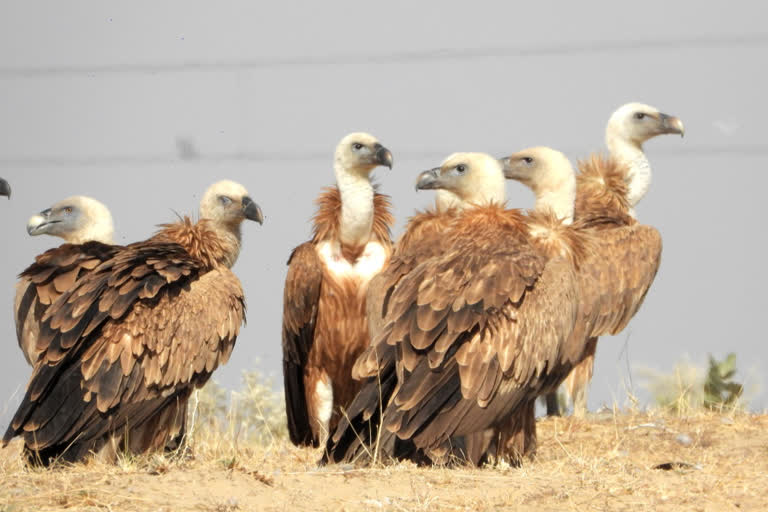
201,240
327,220
477,219
556,239
421,225
601,190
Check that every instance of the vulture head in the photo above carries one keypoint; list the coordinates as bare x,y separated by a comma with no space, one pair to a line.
474,178
636,123
549,174
77,220
360,153
228,203
5,188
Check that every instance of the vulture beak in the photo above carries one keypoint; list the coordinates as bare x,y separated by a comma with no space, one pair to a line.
5,188
252,210
38,224
671,124
383,156
509,173
512,171
428,180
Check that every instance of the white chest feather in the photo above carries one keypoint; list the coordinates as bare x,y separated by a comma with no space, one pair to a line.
370,262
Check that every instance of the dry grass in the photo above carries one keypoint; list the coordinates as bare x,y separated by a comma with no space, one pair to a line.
603,462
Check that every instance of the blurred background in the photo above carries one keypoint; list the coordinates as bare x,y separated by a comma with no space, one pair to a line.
144,104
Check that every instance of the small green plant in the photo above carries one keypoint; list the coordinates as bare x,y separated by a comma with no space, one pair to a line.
689,387
719,388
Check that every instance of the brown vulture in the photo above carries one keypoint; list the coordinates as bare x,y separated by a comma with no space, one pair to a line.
324,308
132,338
622,179
86,226
472,336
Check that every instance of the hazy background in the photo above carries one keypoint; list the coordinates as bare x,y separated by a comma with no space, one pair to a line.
144,104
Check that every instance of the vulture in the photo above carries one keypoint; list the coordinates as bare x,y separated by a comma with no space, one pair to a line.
423,238
5,188
324,304
473,335
129,341
608,189
86,227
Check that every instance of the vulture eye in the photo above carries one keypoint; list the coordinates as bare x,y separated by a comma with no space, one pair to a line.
357,146
528,160
224,200
639,115
68,210
461,168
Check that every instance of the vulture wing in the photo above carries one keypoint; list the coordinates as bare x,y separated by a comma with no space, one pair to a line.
300,302
617,275
53,272
132,336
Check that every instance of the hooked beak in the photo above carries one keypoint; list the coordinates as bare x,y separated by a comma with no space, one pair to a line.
252,211
384,157
512,171
428,180
38,224
5,188
671,124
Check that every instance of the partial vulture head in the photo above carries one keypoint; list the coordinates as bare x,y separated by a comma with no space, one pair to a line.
474,178
77,220
635,123
360,153
5,188
228,203
549,174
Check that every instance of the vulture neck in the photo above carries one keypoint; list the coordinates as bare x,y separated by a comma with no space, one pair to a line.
559,198
94,233
356,193
231,240
446,200
631,154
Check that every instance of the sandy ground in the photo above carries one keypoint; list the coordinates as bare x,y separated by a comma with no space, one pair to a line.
603,462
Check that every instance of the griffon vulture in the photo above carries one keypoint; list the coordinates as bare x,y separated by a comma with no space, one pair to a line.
127,344
477,331
611,188
86,226
324,307
5,188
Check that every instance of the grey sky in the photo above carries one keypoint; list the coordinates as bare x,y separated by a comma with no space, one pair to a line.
95,95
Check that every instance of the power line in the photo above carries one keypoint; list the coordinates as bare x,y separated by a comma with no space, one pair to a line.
324,156
405,57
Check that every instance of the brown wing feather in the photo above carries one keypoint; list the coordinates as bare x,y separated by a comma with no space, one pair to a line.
423,238
53,272
128,339
300,303
617,275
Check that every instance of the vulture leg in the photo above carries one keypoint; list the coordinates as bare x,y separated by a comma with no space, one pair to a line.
553,404
517,439
578,380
